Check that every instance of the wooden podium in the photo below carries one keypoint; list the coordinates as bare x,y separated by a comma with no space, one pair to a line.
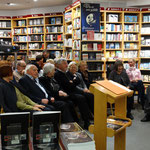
102,96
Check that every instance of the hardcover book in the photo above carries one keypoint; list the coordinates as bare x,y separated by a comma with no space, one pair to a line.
90,35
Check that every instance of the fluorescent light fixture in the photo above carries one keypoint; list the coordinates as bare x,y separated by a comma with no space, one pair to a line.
10,4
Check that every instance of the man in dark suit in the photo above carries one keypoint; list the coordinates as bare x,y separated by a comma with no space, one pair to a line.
38,94
69,86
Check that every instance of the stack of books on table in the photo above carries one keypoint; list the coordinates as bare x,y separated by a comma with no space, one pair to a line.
72,137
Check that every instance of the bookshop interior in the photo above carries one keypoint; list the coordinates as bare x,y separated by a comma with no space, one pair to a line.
74,75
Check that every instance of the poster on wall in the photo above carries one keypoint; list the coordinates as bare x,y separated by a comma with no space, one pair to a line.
90,17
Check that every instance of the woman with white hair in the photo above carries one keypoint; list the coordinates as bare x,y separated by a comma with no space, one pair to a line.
51,86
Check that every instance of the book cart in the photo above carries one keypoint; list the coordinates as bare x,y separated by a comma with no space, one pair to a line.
104,93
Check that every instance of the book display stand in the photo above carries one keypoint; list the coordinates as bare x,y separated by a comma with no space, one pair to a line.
109,92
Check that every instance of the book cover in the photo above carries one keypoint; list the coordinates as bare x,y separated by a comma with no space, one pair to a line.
58,20
114,126
90,46
84,47
90,35
84,37
99,47
53,21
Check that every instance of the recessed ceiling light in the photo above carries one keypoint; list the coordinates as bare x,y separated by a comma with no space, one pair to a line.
35,0
10,4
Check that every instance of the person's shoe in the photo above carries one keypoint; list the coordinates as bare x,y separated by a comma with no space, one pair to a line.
130,116
146,118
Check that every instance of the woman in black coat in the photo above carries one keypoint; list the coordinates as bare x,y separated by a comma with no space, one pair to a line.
119,75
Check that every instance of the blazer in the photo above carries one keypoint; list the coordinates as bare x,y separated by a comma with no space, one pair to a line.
8,97
32,90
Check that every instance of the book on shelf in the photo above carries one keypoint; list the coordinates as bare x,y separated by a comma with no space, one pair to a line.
52,21
85,56
84,47
90,46
95,46
112,18
84,37
130,18
79,140
91,56
58,20
45,129
90,35
99,47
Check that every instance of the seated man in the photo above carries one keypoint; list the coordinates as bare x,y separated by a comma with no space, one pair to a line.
69,87
136,81
11,99
19,71
38,94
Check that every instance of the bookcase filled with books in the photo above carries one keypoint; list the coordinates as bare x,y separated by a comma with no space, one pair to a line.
54,33
131,33
145,45
19,25
5,30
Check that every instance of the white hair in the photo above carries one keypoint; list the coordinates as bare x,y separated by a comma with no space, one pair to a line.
48,67
72,63
28,67
60,60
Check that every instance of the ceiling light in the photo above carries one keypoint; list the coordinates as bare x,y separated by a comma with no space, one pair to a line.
11,4
35,0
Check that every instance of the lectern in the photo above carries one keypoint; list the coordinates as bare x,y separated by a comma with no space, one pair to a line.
110,92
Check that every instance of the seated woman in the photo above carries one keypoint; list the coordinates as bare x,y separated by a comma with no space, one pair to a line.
119,75
81,87
85,74
11,99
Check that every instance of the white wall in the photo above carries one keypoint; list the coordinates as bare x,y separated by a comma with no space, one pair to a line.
138,3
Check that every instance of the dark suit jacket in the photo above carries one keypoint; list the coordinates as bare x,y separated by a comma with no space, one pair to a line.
8,98
33,91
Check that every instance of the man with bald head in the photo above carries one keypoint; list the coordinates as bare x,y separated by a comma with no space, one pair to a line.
19,72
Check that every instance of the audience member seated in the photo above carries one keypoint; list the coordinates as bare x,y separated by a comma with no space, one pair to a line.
147,106
47,55
19,71
11,99
81,87
38,94
69,86
136,80
50,61
120,76
85,74
51,85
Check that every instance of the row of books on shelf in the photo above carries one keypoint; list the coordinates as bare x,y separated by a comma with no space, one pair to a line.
130,54
55,20
130,37
126,65
36,21
96,76
20,39
146,18
77,12
20,31
33,54
77,34
36,46
91,46
113,37
76,23
145,30
95,66
113,54
145,53
69,55
7,42
55,46
130,45
76,44
54,37
35,30
112,18
54,29
68,16
5,33
93,36
22,46
68,42
92,56
145,78
69,29
145,65
76,55
112,45
145,41
5,24
113,27
21,23
130,18
132,27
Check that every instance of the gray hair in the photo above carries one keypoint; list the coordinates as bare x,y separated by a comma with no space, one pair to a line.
20,62
72,63
28,67
60,60
48,67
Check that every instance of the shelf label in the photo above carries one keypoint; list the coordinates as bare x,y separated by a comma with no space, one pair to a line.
90,13
132,9
68,7
51,14
37,15
101,8
145,9
5,17
114,8
76,3
20,16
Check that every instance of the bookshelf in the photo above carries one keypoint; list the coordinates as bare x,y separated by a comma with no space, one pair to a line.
5,30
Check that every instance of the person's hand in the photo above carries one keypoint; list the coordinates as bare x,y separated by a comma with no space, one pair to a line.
44,101
86,90
36,108
52,99
39,106
61,93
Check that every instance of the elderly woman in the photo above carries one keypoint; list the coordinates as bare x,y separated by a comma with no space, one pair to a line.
53,88
81,87
11,99
85,74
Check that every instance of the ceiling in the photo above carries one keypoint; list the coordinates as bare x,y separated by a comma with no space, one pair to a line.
28,4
